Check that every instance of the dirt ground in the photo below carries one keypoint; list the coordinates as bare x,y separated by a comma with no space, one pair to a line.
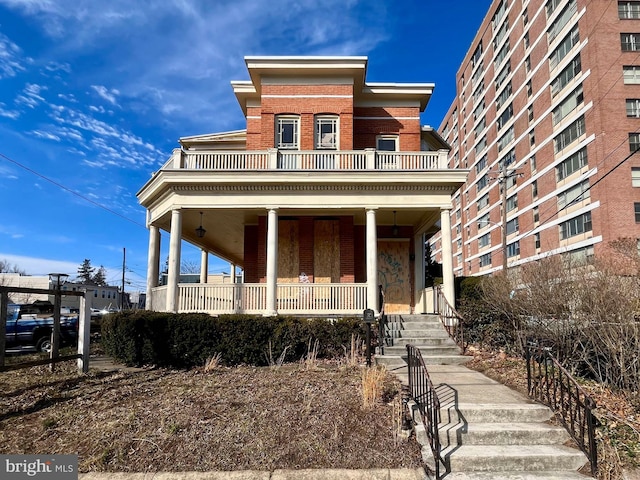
292,417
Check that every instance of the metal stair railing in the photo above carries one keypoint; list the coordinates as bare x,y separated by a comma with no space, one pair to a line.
450,318
423,393
550,383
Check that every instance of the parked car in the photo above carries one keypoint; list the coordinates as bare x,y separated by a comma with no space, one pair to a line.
27,326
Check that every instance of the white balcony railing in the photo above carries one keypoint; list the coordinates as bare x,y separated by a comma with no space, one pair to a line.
250,298
273,159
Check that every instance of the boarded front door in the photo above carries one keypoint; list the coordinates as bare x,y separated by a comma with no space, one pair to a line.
394,275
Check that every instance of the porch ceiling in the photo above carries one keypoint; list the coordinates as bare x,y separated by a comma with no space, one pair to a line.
224,227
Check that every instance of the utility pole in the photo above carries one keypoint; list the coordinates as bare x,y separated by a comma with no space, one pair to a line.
124,256
503,177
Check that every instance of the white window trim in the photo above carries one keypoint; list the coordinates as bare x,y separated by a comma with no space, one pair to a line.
327,118
394,137
282,119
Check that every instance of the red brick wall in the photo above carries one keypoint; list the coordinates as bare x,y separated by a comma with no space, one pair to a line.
403,121
306,246
251,274
347,268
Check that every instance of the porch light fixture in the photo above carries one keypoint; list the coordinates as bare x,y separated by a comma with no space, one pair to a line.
57,280
395,230
200,231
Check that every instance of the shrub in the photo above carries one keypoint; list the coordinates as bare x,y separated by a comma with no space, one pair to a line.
188,340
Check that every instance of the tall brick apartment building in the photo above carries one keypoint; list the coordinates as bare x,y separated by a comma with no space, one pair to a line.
548,107
328,194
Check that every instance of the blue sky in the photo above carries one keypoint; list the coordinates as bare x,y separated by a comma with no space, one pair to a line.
95,94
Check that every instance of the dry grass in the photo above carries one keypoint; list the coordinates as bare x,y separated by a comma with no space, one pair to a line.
372,385
228,419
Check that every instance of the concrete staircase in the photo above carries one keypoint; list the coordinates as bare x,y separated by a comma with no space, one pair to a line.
487,430
425,332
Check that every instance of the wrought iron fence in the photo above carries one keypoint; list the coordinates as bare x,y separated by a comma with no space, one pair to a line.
451,319
424,395
551,384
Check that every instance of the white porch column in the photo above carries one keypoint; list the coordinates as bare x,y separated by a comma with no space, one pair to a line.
447,256
174,260
272,261
153,264
232,273
419,272
372,260
204,266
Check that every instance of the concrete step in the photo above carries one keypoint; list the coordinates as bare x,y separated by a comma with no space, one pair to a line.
495,413
498,434
544,475
431,341
515,458
398,364
425,350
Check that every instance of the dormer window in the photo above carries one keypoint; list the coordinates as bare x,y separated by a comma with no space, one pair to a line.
326,132
288,132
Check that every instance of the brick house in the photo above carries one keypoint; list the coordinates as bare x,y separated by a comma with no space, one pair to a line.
330,191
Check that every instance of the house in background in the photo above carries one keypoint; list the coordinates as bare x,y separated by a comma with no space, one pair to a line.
330,192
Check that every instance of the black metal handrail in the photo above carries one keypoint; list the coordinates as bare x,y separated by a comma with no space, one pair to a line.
423,393
551,384
451,319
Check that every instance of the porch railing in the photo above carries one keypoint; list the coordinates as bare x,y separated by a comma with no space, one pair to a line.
549,383
274,159
424,394
451,319
320,298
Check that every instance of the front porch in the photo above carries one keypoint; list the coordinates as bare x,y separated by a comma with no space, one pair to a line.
251,298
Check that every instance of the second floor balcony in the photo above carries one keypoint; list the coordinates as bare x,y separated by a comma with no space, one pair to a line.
312,160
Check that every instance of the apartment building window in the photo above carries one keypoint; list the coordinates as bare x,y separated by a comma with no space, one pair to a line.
551,6
634,142
532,138
631,74
481,145
512,203
504,73
507,160
504,95
499,15
628,10
636,208
477,54
529,88
478,110
568,105
568,74
500,36
512,226
483,202
505,116
477,75
485,260
287,132
484,240
483,182
572,164
482,124
327,132
506,139
513,249
512,181
562,20
635,177
630,42
577,193
502,54
525,40
633,107
575,226
536,237
563,49
532,163
478,92
569,135
387,143
484,221
536,215
525,16
527,64
481,164
534,189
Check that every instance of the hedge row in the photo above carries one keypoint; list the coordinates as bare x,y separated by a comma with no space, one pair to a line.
187,340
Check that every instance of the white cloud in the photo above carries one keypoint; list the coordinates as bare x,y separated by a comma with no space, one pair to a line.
13,114
31,95
40,266
11,61
107,94
45,135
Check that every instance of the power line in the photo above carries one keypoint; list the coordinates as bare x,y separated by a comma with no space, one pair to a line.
69,190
